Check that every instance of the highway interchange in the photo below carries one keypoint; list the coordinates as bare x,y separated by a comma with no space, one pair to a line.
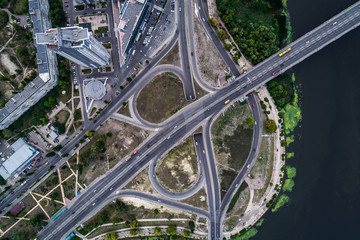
200,112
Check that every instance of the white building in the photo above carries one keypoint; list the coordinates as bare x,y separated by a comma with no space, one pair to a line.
23,153
76,44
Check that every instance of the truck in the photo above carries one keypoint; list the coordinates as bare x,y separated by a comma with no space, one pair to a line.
131,155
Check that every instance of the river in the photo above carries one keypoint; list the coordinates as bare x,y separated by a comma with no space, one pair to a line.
325,202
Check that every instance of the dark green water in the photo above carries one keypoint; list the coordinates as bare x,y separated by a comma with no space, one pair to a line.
325,203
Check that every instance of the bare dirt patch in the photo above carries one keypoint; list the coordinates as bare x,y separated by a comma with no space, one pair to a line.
178,170
62,116
115,138
198,199
8,64
142,183
211,65
5,91
161,97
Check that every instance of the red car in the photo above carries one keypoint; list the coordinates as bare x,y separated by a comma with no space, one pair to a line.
104,42
38,160
41,157
253,106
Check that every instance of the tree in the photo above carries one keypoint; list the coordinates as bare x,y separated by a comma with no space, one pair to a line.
50,154
18,235
98,146
134,224
111,236
88,134
157,231
250,121
2,180
57,147
104,217
192,226
186,233
213,22
134,231
120,206
37,220
156,211
171,230
271,125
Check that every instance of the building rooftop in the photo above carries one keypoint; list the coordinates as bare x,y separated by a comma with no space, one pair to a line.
16,209
22,154
67,37
129,16
95,89
18,99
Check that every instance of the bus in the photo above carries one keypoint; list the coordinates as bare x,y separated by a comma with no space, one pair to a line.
70,236
284,52
137,37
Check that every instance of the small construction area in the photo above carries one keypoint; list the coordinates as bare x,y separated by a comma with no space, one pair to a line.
232,137
178,170
113,141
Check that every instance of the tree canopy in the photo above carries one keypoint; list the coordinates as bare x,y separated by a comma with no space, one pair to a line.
37,220
250,121
111,236
157,231
271,125
252,25
171,230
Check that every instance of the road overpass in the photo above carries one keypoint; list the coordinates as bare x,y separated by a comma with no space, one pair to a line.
190,117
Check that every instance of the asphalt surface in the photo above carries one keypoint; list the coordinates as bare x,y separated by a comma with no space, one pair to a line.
183,44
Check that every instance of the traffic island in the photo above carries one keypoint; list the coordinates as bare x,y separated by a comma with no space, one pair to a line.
178,170
162,97
232,137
